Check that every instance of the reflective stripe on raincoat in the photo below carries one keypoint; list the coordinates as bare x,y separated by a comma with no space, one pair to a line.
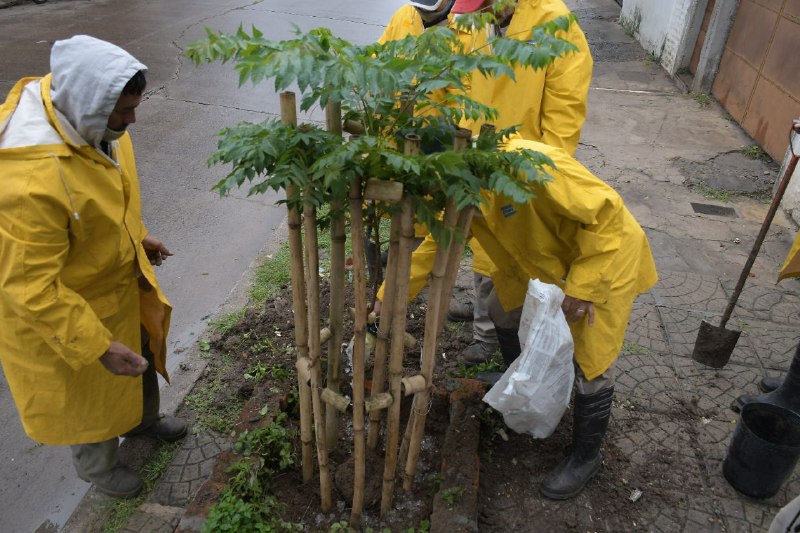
70,246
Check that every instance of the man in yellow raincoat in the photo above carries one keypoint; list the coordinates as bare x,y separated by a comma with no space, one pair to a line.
79,300
577,234
548,105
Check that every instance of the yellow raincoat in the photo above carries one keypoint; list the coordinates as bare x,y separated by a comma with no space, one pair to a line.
791,267
547,105
577,234
70,245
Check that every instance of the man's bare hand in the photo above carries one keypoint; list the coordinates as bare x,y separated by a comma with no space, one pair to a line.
377,307
155,250
576,309
122,361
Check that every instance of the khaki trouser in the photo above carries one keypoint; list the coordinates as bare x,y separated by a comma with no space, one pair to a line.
482,325
510,320
94,459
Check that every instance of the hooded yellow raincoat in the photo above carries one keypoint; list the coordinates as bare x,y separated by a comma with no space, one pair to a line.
577,234
791,267
547,105
70,249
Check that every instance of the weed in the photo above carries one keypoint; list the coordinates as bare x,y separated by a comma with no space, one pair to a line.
212,414
631,25
454,327
272,274
435,479
272,443
494,364
256,372
652,58
754,151
729,117
631,347
702,99
492,426
710,193
204,345
236,514
226,322
452,494
120,511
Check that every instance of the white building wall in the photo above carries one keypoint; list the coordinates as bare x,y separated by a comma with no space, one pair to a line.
650,20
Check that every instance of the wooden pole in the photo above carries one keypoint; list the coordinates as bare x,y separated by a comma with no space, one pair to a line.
384,326
289,117
333,117
442,277
398,329
359,339
312,291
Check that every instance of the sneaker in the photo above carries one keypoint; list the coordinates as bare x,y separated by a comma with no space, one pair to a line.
461,310
478,352
166,428
119,482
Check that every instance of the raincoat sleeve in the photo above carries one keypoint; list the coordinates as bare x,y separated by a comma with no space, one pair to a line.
34,245
406,21
598,211
421,265
565,92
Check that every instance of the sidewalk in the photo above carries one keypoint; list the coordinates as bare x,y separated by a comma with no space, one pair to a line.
674,161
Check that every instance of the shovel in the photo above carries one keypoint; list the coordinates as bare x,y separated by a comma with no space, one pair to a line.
715,344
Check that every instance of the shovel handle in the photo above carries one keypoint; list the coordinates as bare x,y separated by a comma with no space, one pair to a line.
773,208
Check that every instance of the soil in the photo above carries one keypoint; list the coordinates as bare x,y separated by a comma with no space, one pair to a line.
511,465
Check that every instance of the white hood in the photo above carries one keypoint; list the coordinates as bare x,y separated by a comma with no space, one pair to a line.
88,77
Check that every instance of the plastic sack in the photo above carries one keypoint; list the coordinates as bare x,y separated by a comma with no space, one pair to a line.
534,392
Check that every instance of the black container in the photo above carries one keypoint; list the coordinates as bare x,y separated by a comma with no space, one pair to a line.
764,449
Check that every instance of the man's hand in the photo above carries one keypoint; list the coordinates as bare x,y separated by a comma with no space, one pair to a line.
576,309
377,307
122,361
155,250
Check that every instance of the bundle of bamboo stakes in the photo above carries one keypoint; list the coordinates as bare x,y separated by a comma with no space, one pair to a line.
320,399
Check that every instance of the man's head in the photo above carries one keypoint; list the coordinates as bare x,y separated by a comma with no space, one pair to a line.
96,86
433,11
124,112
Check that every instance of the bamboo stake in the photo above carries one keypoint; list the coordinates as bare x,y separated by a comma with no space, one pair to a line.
397,349
442,278
384,326
419,407
312,291
359,340
289,117
333,117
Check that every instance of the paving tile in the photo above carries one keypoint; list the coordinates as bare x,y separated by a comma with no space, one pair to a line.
647,381
645,332
774,344
716,389
767,302
682,325
690,291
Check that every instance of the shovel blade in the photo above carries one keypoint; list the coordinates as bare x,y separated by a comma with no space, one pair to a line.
714,345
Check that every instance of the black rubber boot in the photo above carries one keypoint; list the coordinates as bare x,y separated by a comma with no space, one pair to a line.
508,339
592,412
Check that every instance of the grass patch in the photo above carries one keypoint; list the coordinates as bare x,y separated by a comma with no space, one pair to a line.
494,364
702,99
633,348
754,151
226,322
219,416
710,193
120,511
272,274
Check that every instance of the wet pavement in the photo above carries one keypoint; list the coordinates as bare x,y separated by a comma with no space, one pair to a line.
657,146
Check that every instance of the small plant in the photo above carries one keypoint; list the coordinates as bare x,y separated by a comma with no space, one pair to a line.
451,495
236,514
256,372
652,58
494,364
710,193
226,322
754,151
272,443
702,99
729,117
204,345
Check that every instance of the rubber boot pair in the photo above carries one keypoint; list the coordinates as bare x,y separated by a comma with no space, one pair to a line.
590,422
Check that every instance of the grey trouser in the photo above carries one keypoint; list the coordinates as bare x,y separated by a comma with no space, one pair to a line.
510,320
93,459
482,325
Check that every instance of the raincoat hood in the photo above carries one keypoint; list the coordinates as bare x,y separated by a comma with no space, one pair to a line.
88,78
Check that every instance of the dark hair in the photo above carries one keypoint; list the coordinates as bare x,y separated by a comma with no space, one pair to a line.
136,84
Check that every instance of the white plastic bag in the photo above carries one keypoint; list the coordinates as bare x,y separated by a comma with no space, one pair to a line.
534,392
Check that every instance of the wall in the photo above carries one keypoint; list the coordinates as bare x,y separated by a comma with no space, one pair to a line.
650,21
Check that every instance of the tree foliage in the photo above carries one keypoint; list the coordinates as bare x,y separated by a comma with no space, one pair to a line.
416,85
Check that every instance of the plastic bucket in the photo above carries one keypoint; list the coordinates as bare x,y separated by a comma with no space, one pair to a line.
764,449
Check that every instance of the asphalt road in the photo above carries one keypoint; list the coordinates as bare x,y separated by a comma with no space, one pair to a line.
215,240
